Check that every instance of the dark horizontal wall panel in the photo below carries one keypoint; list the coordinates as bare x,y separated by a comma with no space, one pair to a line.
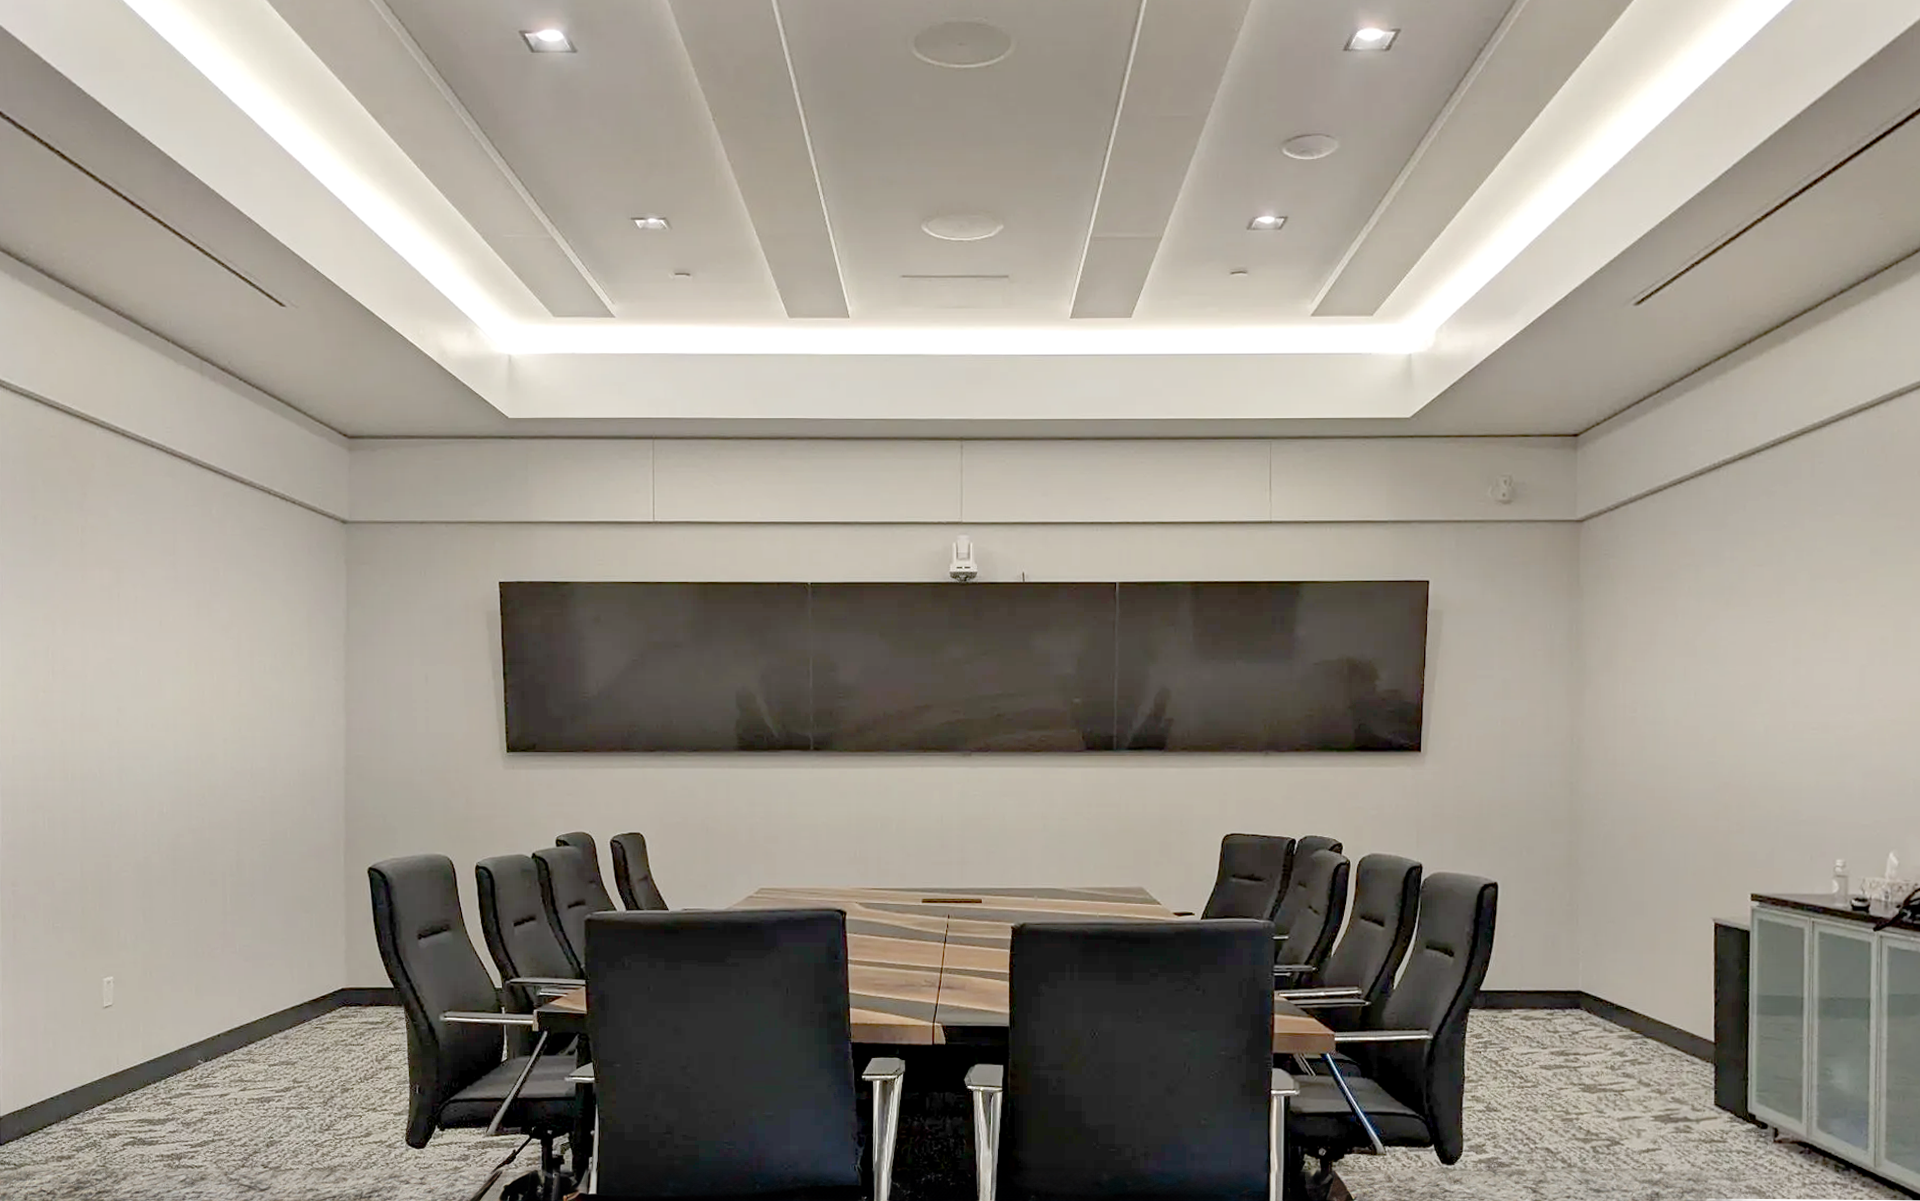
1334,666
655,667
1225,666
980,667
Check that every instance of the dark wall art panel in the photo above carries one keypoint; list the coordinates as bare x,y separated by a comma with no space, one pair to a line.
1253,666
655,667
979,667
1333,666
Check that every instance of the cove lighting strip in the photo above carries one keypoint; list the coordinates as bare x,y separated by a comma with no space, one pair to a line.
212,47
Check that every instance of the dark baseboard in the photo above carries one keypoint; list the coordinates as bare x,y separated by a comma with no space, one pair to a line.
366,996
1640,1023
1514,998
42,1114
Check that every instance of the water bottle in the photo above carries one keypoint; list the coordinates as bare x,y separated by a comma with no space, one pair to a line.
1841,896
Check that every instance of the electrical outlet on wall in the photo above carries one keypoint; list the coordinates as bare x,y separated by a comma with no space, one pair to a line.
106,992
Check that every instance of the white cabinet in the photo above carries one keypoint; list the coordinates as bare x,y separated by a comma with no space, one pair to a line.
1834,1037
1899,1062
1842,1051
1777,1046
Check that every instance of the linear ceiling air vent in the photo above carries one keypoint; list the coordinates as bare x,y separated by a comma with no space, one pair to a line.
143,210
1778,205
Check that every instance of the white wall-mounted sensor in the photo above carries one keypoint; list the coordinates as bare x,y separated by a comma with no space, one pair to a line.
1502,490
963,567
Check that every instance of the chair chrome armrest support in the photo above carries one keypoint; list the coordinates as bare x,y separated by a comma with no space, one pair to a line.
472,1018
1382,1036
1297,995
546,983
987,1082
1281,1088
888,1077
581,1075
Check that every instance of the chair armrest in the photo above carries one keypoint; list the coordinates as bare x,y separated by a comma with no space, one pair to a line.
468,1018
884,1069
581,1075
1283,1085
1383,1036
1297,995
1324,1002
1293,969
548,982
986,1078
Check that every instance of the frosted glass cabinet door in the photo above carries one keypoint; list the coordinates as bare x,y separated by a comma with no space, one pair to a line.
1777,1057
1843,1039
1900,1059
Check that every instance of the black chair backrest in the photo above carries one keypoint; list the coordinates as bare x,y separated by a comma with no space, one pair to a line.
723,1060
582,841
633,875
1386,901
1248,881
432,964
513,920
1311,911
1451,949
568,898
1138,1060
1307,846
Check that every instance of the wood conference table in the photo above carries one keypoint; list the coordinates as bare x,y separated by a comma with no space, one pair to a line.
928,967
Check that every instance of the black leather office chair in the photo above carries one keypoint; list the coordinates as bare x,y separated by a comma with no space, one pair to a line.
1248,881
1414,1059
582,841
1305,847
1310,918
1359,974
569,898
456,1076
633,875
513,920
723,1058
1310,915
1139,1064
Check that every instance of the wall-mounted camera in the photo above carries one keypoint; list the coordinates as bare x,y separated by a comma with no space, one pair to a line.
963,567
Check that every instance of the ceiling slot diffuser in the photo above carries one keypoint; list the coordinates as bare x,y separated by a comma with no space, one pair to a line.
143,210
1776,207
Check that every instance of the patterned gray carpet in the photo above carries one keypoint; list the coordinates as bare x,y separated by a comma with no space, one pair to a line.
1560,1105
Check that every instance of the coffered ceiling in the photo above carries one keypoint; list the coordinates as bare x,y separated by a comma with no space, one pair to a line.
1049,233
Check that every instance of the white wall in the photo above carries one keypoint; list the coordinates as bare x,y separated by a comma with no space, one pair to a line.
1490,793
1750,642
171,751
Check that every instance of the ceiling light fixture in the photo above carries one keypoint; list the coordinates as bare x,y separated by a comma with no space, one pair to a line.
1372,37
652,225
1266,223
547,41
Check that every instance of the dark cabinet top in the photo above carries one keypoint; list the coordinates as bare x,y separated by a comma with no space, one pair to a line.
1822,904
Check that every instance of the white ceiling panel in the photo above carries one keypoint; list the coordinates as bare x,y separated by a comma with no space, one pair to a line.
739,54
1290,75
898,140
370,51
1179,56
616,130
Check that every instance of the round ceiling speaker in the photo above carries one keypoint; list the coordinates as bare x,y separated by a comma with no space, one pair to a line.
962,227
1310,146
962,44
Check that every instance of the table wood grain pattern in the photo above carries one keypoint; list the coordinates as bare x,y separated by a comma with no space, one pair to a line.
925,962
